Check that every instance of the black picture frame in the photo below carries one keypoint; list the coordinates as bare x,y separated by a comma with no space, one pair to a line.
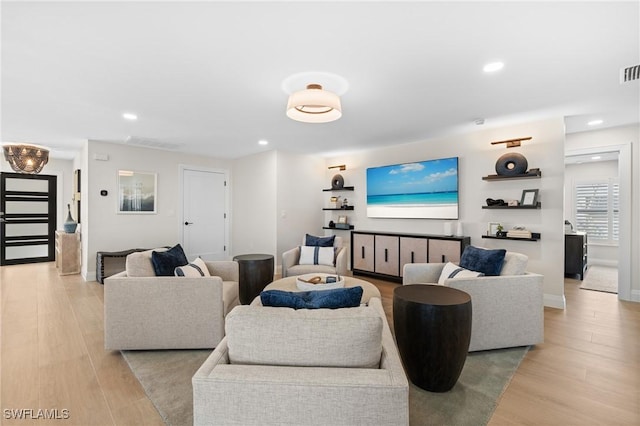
529,197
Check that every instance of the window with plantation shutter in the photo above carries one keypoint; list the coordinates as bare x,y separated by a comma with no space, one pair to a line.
597,209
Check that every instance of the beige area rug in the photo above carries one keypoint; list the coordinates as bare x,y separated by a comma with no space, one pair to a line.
601,278
166,379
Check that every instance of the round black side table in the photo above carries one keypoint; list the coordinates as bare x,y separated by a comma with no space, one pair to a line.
256,271
432,325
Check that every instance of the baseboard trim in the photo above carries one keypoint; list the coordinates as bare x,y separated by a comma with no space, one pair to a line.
554,301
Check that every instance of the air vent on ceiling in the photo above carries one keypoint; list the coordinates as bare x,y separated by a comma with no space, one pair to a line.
630,73
152,143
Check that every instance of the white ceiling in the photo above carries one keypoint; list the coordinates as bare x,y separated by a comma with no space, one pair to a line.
207,76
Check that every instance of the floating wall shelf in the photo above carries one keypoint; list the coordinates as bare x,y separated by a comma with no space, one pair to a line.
530,175
535,236
338,208
344,188
537,206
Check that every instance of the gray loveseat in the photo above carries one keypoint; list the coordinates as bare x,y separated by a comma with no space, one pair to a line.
143,311
313,367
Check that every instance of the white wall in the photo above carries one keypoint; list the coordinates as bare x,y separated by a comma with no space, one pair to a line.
276,200
254,201
477,158
605,139
299,209
598,254
103,229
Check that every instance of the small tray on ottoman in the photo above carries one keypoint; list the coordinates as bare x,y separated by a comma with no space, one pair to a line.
309,282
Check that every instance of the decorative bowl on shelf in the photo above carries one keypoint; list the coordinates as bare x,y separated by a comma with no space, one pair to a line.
319,281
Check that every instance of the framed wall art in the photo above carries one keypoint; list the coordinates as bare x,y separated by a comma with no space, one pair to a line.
137,192
529,197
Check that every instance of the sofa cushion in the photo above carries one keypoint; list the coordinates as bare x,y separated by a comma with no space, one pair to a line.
313,338
317,255
310,269
312,240
514,264
319,299
139,264
165,262
195,269
451,270
489,262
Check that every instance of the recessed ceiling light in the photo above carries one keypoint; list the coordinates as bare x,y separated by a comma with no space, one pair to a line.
263,142
594,122
493,67
596,157
129,116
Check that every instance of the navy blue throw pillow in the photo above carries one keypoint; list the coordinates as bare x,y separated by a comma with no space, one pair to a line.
328,299
489,262
165,262
311,240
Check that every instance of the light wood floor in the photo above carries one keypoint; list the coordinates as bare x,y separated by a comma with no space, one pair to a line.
586,373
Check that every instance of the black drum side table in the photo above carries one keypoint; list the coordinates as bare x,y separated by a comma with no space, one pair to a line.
256,271
432,325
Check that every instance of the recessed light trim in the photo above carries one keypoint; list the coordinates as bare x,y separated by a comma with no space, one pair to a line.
493,67
596,157
129,116
595,122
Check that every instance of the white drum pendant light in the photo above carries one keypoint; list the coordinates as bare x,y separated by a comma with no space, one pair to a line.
314,105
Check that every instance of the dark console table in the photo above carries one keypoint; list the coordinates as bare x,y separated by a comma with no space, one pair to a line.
256,271
432,325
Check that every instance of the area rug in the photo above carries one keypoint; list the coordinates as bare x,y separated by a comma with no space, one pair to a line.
601,278
166,379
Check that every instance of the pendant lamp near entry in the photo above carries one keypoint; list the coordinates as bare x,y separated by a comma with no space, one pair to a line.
314,105
26,158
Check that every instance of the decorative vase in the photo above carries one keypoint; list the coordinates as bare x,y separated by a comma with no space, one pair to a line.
459,229
70,225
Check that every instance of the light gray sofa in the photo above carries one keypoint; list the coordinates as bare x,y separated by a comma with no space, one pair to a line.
291,259
303,367
143,311
508,310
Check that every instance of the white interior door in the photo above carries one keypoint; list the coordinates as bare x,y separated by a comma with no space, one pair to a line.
204,211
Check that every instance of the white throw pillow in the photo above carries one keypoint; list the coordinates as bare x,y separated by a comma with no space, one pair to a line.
195,269
313,255
451,270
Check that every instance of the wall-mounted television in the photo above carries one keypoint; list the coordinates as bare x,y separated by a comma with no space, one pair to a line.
425,190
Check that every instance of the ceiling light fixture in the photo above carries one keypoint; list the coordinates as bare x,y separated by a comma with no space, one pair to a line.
26,158
595,122
263,142
596,157
493,67
129,116
314,105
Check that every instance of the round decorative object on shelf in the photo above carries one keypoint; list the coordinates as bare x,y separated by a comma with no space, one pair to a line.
337,182
511,164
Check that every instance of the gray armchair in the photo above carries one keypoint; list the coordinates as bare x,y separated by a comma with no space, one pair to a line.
508,309
143,311
291,259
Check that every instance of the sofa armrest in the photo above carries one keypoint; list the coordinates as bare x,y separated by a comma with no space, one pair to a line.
341,261
421,273
290,258
228,270
508,310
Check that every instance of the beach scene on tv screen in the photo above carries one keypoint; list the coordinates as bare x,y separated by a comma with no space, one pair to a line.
426,189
